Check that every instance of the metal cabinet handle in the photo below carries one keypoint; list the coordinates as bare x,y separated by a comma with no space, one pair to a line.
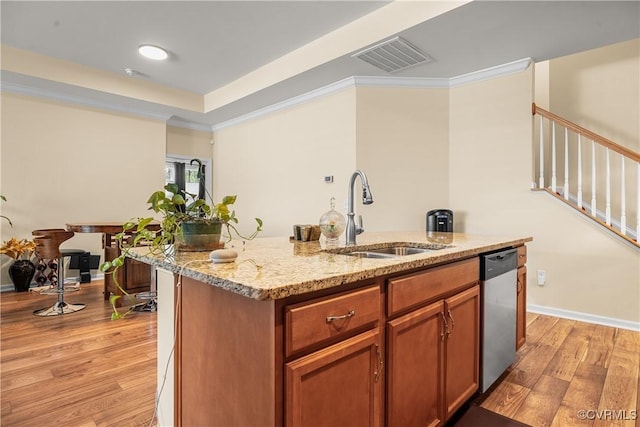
380,364
351,313
453,324
445,327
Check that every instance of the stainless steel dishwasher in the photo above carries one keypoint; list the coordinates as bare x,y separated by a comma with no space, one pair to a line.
498,275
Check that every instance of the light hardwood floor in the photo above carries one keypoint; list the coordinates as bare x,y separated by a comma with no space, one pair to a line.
566,367
83,369
80,369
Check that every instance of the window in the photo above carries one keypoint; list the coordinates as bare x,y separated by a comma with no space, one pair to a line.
177,168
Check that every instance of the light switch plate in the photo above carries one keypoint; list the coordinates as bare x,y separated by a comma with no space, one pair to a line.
542,277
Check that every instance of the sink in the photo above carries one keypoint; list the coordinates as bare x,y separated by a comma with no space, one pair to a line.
393,251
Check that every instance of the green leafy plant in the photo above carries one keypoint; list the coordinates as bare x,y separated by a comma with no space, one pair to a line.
4,199
175,208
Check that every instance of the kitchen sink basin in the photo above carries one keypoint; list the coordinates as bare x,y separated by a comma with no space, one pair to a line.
392,251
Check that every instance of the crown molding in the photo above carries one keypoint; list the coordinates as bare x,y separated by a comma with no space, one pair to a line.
491,72
329,89
77,100
181,123
349,82
383,81
399,82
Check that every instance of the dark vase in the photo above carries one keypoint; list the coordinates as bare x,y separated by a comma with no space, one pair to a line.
21,273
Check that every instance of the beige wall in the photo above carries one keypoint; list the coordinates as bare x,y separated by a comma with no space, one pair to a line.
189,142
588,270
277,164
599,89
62,163
402,145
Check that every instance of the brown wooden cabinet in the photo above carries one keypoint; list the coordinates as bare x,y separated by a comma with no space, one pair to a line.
521,301
134,277
462,351
415,375
521,308
397,350
337,386
433,351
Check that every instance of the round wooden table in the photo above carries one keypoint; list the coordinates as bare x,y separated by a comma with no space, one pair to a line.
136,276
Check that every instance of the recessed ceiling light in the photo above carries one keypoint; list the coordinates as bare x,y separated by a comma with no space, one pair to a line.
153,52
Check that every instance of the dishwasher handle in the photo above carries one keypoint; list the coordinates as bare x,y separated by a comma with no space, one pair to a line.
496,263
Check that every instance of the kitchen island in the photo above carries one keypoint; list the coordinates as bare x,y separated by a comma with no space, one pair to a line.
294,333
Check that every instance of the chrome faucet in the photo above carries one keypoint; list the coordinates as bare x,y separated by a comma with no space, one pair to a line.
352,230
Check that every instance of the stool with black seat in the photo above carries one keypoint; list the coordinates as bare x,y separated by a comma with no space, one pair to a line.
48,243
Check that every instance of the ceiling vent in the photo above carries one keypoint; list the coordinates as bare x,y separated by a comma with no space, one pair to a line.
393,55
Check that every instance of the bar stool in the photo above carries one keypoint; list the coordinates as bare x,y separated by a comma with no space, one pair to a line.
48,243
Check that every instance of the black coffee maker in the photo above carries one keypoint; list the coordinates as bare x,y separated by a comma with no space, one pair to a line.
440,220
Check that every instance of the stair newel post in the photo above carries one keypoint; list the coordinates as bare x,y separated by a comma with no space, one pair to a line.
608,189
593,179
553,156
541,159
579,171
623,198
566,163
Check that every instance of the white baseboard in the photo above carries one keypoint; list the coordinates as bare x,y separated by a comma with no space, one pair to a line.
8,287
584,317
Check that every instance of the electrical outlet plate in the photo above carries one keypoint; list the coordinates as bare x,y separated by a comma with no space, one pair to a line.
542,277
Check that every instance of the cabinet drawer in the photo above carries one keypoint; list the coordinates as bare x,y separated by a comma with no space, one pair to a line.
414,289
522,255
315,321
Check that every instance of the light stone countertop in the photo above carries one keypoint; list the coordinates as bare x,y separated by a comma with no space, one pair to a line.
269,268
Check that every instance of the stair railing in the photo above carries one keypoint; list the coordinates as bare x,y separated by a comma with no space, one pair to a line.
562,181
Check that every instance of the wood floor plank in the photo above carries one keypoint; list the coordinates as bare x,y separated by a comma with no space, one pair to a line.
620,392
541,404
610,356
71,370
527,371
573,349
601,345
506,399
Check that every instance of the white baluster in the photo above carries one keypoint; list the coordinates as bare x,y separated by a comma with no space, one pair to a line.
579,171
623,198
593,179
553,157
607,217
566,163
541,183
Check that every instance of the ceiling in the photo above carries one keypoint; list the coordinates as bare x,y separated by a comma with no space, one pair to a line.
216,46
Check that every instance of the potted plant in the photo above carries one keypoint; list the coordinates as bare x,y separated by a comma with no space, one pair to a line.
22,269
187,223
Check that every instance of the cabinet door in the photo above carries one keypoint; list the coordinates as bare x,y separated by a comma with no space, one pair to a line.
336,386
415,368
521,308
462,351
